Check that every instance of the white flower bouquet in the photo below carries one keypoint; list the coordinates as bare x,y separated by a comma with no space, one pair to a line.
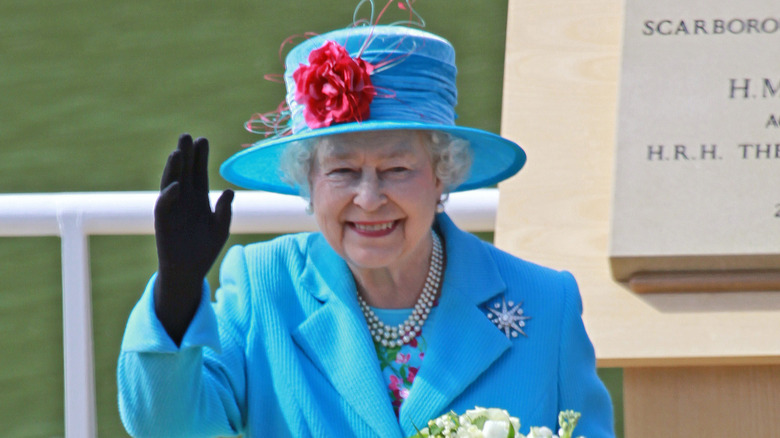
493,423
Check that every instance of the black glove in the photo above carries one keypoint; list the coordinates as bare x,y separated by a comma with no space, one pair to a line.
189,236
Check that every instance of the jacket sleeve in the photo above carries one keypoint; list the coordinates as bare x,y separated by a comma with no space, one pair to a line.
579,387
197,388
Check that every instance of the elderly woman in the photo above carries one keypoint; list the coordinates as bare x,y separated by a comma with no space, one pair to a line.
386,318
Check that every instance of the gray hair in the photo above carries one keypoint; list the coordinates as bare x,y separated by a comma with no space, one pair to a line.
450,155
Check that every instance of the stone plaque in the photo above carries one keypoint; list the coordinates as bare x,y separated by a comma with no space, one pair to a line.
697,170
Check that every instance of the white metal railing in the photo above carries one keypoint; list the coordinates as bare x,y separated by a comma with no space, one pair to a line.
75,216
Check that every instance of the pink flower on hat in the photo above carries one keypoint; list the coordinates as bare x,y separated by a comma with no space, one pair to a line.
334,87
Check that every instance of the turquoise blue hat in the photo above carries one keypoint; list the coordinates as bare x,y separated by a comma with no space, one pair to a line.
397,78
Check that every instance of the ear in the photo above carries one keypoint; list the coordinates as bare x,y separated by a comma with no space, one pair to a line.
426,139
439,186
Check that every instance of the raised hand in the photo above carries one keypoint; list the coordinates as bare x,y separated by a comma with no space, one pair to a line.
189,235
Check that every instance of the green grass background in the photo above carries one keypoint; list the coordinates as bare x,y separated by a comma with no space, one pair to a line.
93,96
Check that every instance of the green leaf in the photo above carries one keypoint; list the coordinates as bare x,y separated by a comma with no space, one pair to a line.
479,421
419,433
455,418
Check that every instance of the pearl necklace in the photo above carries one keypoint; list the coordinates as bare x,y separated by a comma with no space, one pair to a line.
395,336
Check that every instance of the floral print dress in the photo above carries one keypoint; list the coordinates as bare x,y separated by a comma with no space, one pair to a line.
399,365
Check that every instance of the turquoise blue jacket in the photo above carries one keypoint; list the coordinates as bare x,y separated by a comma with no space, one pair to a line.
285,351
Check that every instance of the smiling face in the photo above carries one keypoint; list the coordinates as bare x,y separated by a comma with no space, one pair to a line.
374,196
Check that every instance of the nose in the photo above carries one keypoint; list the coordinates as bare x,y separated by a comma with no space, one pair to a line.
369,194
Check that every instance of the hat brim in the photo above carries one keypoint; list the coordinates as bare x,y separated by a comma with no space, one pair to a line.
495,158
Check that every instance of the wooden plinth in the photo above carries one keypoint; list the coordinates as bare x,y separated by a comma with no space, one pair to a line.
702,401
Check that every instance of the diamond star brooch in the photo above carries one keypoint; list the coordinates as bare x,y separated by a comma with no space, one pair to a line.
508,317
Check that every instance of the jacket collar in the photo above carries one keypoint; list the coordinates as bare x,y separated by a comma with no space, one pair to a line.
461,345
336,339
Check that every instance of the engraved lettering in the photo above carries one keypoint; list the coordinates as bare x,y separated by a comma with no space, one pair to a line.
763,151
732,26
744,148
769,89
662,24
770,25
736,26
744,86
752,26
648,28
757,151
710,151
655,151
717,27
679,151
700,27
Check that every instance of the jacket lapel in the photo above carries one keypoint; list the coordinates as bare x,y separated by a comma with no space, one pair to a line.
335,337
462,342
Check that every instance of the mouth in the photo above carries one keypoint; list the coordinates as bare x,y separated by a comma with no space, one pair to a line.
374,229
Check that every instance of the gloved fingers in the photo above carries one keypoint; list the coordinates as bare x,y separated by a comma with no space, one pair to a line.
172,171
185,147
200,177
169,195
223,213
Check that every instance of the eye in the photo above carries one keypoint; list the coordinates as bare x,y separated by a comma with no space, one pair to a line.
342,174
341,171
396,172
397,169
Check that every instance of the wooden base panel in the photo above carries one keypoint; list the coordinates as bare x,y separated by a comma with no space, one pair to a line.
702,401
